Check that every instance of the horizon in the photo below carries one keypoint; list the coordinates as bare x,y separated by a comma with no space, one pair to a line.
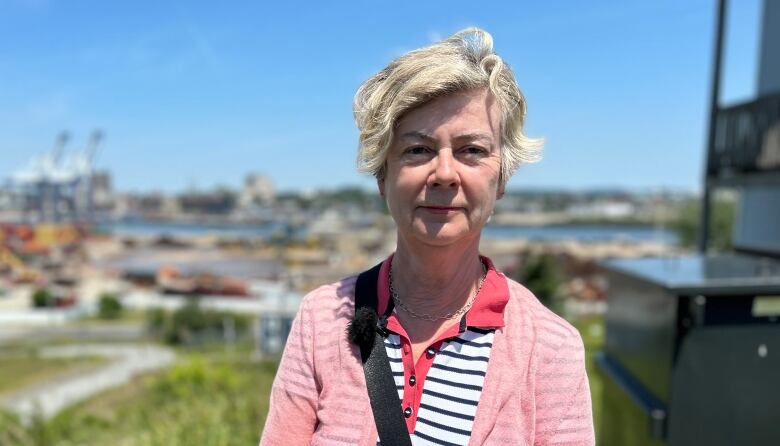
371,187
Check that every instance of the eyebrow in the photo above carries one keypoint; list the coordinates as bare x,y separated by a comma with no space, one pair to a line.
476,136
416,134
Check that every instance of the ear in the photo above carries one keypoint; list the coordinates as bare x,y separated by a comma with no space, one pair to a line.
500,192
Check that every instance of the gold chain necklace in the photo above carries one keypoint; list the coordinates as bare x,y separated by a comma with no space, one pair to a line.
430,317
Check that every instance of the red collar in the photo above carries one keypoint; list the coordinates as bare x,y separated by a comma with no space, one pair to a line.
487,311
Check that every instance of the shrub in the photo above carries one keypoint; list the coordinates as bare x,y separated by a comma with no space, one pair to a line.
194,378
109,306
722,220
12,430
540,274
156,321
42,298
192,324
187,321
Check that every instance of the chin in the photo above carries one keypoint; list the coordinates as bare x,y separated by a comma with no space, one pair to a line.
441,235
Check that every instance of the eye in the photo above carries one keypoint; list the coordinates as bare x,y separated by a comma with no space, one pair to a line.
416,150
474,151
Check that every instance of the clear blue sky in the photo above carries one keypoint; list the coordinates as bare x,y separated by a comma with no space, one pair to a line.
201,93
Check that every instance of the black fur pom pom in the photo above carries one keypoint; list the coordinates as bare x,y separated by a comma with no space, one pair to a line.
362,329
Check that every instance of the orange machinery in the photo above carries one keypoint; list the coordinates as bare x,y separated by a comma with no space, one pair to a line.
19,241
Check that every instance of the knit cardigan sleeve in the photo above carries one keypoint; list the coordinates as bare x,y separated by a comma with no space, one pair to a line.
292,417
563,403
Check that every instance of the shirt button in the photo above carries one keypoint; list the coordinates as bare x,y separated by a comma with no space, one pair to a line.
430,352
412,380
408,412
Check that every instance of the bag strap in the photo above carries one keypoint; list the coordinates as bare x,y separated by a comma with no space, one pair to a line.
379,378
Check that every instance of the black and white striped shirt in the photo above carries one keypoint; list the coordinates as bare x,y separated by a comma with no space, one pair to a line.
451,388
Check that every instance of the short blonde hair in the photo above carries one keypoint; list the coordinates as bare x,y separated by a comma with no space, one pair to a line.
464,61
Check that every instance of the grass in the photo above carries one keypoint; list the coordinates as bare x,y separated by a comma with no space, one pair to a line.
211,397
592,330
21,367
128,315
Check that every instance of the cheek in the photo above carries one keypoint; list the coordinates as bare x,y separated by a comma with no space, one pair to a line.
397,196
407,183
485,197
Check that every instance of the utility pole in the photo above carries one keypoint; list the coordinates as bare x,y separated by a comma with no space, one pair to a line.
706,200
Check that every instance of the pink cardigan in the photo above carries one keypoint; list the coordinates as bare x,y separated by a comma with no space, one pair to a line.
535,392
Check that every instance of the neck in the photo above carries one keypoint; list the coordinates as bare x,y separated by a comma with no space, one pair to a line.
436,280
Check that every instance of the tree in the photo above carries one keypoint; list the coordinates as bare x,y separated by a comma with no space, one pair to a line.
42,298
539,273
109,306
192,324
722,217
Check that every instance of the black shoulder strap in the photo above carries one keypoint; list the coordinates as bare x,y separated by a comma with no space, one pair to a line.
365,289
379,378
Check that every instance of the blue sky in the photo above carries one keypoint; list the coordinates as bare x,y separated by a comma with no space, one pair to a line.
201,93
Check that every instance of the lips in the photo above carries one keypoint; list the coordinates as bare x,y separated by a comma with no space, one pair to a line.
440,209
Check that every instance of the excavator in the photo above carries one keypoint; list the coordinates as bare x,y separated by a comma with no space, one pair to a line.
20,272
19,242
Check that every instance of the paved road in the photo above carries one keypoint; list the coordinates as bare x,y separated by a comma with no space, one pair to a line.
117,331
125,362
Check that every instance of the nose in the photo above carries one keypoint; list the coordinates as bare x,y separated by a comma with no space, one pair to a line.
445,172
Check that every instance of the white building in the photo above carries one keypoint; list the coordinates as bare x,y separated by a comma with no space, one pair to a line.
258,190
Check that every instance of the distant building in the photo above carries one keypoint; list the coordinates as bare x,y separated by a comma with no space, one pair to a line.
258,190
149,204
607,209
6,199
218,202
102,190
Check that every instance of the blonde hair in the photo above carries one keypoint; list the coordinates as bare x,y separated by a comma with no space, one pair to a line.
463,61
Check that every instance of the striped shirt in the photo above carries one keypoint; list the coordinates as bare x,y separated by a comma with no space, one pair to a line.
440,392
451,388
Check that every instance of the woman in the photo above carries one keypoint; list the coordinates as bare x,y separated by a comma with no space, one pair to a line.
475,357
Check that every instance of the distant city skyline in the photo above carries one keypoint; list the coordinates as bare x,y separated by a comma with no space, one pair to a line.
195,94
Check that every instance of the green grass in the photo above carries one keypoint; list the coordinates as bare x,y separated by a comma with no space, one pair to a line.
592,330
21,367
128,315
212,397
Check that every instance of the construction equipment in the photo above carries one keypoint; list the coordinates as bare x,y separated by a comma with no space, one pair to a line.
20,272
20,242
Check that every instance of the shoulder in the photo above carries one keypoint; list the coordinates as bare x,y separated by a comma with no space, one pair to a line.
330,302
528,318
339,290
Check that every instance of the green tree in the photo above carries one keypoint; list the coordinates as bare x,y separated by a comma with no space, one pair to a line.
186,322
42,298
540,274
722,217
191,323
156,321
109,306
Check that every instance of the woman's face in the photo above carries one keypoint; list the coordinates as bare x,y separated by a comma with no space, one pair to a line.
442,172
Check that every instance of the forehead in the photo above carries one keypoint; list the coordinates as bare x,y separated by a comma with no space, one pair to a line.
468,111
